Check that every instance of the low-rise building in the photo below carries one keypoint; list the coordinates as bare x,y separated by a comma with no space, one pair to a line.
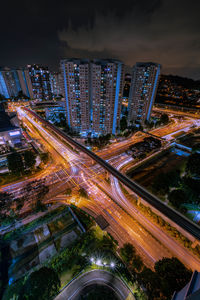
56,112
10,132
191,291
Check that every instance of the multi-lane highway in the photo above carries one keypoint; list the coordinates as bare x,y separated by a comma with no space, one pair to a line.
170,213
122,227
122,224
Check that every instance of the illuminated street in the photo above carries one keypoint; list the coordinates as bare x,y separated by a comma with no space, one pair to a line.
100,150
122,226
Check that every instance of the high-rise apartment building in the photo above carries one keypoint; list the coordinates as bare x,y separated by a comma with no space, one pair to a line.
40,79
14,81
93,93
25,82
76,89
142,94
106,85
56,84
5,84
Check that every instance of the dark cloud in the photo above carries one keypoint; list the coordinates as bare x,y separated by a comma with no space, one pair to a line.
165,31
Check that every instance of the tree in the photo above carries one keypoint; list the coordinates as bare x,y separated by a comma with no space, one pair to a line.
123,123
196,147
21,95
193,165
142,156
127,252
68,192
148,124
2,97
164,119
15,163
137,263
83,193
192,185
107,243
173,275
177,197
39,206
42,284
161,183
151,281
175,178
5,204
29,158
44,157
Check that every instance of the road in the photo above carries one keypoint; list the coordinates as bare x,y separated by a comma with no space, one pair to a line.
162,132
169,212
76,169
177,113
177,249
100,277
123,227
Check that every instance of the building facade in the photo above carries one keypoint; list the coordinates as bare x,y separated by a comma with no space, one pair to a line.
56,84
25,82
107,78
10,132
76,89
93,94
55,113
191,291
14,81
143,90
40,80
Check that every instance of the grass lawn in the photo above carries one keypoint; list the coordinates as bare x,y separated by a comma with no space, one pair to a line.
191,207
60,223
98,232
66,276
35,223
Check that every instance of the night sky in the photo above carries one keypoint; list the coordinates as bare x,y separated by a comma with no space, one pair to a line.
163,31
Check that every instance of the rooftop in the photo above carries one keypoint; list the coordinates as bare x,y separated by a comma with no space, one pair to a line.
5,123
191,291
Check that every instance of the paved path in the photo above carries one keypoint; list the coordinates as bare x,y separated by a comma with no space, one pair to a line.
101,277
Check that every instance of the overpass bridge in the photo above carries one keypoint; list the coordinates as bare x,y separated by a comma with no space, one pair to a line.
153,135
184,223
182,147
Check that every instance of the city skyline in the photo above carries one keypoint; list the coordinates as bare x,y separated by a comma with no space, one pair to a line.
100,150
93,93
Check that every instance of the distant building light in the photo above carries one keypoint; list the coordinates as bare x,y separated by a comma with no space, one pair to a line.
14,133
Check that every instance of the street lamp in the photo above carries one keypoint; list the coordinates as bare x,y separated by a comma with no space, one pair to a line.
98,262
112,265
